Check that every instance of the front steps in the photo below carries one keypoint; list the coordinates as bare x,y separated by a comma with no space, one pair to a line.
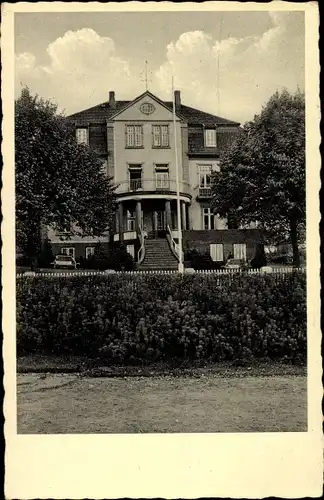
158,255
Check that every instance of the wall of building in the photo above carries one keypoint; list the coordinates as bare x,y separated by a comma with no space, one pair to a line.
147,155
200,240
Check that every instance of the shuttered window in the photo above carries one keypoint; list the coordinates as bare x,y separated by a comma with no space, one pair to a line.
217,252
239,251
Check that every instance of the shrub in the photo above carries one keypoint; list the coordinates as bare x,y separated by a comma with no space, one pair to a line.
201,260
259,260
116,258
144,318
46,256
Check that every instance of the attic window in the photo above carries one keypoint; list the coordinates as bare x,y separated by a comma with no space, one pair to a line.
210,138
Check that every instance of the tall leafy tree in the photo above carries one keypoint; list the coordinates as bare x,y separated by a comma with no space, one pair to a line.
59,183
262,176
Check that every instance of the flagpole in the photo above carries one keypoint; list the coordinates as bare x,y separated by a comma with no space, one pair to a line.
180,267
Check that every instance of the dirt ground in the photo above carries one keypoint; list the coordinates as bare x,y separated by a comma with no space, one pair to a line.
57,403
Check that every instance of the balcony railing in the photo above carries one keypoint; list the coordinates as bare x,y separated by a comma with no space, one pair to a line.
155,185
204,192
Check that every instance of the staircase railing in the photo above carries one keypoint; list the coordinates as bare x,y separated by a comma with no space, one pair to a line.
175,249
141,251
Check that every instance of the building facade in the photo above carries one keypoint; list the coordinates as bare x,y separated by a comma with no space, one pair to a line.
139,148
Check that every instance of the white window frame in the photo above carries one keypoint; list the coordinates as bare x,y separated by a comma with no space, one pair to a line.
89,254
217,252
203,172
82,135
134,136
160,136
131,220
239,251
162,176
210,137
207,212
67,251
135,168
131,250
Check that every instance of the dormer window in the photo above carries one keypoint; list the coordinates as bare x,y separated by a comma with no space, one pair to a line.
82,135
210,138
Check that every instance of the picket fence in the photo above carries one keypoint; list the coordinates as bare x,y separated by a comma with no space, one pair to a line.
207,272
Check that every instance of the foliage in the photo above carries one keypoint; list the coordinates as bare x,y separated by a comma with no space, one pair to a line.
259,260
58,182
46,256
262,176
133,319
116,258
201,260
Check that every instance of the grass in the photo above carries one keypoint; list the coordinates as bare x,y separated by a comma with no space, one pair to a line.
206,403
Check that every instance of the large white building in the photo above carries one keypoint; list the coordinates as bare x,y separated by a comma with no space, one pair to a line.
136,141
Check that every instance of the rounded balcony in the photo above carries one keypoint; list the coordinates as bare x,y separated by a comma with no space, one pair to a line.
152,188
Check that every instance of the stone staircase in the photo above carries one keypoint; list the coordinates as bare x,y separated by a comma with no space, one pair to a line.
158,255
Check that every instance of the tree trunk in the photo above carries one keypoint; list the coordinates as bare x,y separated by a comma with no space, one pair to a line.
294,242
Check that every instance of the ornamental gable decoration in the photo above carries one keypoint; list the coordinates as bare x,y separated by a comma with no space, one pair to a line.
147,108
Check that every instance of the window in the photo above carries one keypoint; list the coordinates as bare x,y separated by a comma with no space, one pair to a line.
131,218
210,138
89,251
160,135
217,252
135,177
131,250
208,219
239,251
82,135
162,177
134,136
204,179
68,251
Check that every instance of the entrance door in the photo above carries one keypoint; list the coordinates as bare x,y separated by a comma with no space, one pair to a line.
160,221
159,224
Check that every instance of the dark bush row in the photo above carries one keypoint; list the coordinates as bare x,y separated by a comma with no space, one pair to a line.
133,319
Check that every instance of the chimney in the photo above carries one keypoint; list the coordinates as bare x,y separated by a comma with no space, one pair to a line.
177,100
112,102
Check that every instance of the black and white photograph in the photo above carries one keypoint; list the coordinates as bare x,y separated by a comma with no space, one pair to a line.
160,250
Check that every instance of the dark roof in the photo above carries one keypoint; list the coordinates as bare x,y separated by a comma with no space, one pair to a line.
197,117
102,112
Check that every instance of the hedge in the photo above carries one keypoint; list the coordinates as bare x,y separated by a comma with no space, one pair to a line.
135,319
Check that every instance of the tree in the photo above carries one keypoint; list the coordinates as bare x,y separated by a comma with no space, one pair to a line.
262,176
59,183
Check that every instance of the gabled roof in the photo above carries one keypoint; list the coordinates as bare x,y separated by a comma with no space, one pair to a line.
149,94
103,112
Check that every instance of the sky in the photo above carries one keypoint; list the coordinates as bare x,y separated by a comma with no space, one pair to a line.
225,63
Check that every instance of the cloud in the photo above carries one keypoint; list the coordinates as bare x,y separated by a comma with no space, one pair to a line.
232,77
250,69
82,68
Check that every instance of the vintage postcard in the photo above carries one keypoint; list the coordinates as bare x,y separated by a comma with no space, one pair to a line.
161,250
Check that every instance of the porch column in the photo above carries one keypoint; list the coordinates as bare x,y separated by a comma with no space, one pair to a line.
184,215
168,213
138,215
189,223
121,221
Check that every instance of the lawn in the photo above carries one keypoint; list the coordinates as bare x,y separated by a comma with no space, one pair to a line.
69,403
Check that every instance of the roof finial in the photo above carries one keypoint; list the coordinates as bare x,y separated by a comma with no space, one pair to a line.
146,76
